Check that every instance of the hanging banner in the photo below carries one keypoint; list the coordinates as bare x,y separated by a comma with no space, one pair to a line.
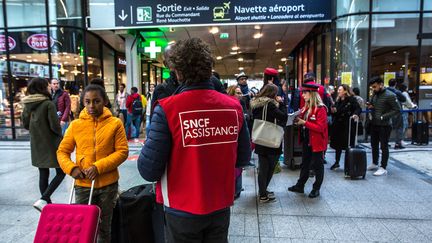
39,42
140,13
12,43
346,78
388,76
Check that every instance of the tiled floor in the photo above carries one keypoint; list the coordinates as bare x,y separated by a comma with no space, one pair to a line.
393,208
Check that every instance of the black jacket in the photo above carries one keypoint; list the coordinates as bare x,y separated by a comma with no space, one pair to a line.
156,152
344,110
385,106
276,111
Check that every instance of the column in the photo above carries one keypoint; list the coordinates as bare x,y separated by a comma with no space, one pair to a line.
133,64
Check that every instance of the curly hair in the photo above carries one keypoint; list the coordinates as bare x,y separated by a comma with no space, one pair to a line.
192,60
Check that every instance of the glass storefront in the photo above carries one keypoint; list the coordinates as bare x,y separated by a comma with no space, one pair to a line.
59,50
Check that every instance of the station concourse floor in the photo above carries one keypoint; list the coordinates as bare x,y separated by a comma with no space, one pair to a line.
392,208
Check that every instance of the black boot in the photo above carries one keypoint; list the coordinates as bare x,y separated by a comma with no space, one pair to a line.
314,194
334,166
296,188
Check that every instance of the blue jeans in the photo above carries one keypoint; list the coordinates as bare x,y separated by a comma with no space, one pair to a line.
64,127
147,124
136,121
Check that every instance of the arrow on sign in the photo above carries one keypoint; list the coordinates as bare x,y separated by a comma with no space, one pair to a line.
123,16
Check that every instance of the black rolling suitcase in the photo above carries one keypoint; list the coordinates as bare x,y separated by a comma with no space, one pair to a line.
355,158
292,148
420,133
137,217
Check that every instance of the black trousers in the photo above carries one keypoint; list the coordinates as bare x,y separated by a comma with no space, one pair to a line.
311,161
267,164
380,138
204,229
47,189
339,154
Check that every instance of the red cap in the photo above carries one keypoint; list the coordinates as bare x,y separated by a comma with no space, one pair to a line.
271,71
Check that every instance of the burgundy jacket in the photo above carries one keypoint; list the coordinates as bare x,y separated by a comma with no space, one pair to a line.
63,104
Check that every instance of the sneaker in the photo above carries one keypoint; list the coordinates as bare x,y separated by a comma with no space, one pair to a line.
266,199
270,194
296,188
314,194
372,167
334,166
398,146
381,171
40,204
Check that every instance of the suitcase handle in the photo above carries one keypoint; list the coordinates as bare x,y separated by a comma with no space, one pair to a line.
349,132
73,189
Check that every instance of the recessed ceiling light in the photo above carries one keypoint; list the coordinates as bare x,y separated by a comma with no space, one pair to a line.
280,70
283,59
65,63
35,60
28,56
257,27
13,56
241,68
214,30
233,52
403,65
29,60
90,62
279,50
79,64
213,70
64,53
394,52
240,59
235,48
278,43
218,58
257,35
67,57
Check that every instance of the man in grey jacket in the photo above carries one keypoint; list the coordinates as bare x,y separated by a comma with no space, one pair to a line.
383,106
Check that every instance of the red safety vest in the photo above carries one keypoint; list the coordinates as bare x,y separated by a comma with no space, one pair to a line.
204,126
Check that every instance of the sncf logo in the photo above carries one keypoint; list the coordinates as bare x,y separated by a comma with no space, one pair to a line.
209,127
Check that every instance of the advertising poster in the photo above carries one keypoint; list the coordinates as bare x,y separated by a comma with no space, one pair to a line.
388,76
346,78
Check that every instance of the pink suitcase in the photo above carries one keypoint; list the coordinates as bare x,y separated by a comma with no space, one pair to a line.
66,223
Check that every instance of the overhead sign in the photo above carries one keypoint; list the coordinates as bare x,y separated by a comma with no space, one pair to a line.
131,13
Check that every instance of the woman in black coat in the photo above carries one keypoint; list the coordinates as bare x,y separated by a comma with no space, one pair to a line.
268,157
345,107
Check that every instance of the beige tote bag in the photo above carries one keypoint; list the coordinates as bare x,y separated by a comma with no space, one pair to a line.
267,133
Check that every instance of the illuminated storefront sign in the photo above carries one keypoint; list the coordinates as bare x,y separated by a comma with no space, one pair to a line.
12,43
39,42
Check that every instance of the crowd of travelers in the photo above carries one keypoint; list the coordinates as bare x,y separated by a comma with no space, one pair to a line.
198,137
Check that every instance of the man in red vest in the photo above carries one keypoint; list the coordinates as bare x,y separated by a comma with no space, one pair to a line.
196,139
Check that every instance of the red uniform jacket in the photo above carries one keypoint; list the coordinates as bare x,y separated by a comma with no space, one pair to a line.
204,126
317,125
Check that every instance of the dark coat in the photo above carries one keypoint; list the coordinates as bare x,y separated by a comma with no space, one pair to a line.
385,107
276,111
344,110
40,118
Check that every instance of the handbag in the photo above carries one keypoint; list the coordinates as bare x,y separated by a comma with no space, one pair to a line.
267,133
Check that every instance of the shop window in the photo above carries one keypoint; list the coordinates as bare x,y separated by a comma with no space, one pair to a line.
93,56
350,54
311,56
351,6
5,104
65,12
305,61
427,5
327,57
391,5
67,56
25,13
394,48
109,72
1,15
318,61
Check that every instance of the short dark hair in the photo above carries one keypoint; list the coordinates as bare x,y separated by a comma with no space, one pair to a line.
377,80
134,89
192,59
403,87
123,85
98,81
356,91
392,82
97,88
38,86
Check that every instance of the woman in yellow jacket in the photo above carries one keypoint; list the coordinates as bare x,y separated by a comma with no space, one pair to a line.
101,146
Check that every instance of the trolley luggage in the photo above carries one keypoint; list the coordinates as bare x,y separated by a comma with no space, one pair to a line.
355,157
69,222
137,217
292,148
420,133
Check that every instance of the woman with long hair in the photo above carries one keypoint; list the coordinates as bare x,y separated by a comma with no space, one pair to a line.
345,107
268,157
313,121
40,118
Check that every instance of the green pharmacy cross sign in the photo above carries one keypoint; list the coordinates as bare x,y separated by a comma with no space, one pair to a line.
152,49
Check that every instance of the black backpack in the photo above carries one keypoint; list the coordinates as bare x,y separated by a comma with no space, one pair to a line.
137,107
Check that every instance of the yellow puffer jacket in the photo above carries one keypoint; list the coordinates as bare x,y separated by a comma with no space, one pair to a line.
101,142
